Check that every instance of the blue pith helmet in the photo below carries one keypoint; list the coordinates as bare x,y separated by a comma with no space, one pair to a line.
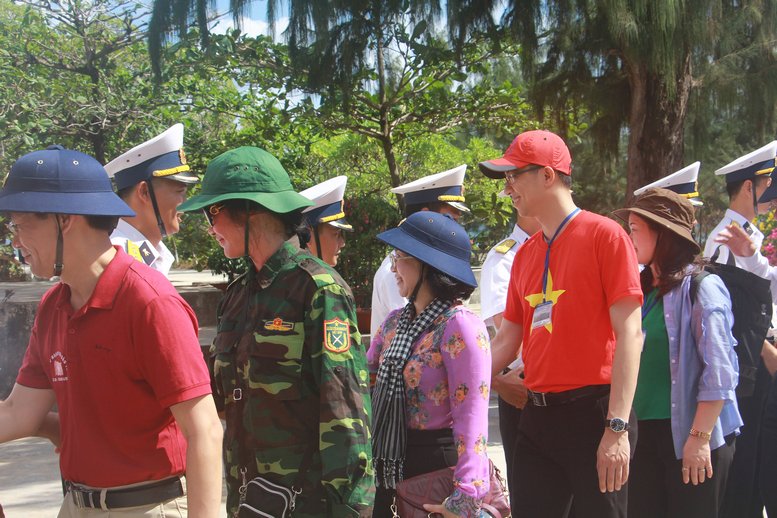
60,181
436,240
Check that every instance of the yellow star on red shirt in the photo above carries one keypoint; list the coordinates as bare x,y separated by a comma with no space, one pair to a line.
551,296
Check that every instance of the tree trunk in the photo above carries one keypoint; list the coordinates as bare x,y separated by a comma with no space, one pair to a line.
656,123
386,130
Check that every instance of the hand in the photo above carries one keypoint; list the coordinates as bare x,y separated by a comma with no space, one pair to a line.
441,510
737,240
612,460
511,388
697,462
769,356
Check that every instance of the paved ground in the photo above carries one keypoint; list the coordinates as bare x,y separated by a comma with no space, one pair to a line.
29,474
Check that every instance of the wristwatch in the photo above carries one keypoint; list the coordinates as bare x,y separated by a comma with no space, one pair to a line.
617,425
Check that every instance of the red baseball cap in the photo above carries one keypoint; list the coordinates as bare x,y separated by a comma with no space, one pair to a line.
536,147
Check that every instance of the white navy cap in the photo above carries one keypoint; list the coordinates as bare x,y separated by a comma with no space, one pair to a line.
160,157
328,199
683,182
447,187
758,163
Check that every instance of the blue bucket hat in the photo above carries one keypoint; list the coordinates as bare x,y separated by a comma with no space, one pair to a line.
436,240
60,181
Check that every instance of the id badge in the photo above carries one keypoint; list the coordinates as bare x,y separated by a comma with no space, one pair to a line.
542,314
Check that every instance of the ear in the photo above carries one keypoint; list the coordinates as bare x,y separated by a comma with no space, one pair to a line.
549,175
142,192
66,222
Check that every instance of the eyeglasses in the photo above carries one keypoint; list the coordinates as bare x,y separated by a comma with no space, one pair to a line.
394,257
513,175
212,211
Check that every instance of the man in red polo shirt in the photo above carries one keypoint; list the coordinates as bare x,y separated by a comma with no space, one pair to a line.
573,302
115,347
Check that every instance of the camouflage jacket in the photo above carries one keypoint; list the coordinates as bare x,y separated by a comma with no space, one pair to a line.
289,365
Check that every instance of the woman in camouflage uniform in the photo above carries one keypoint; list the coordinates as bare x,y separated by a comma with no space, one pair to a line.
287,361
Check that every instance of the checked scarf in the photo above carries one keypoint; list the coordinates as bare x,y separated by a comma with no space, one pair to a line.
388,398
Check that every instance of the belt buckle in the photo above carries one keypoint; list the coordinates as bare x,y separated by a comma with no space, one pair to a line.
237,394
538,398
80,498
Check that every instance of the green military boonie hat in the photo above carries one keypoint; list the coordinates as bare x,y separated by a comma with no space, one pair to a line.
247,173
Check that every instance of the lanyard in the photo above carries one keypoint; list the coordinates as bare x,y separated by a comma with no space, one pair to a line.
547,254
646,310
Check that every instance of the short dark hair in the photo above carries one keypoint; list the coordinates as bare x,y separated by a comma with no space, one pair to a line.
434,206
734,188
125,193
566,179
445,287
105,223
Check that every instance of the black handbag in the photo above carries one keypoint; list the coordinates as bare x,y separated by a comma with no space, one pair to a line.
261,498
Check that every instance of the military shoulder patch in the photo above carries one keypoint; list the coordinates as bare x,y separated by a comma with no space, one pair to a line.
337,335
146,253
133,250
505,246
277,324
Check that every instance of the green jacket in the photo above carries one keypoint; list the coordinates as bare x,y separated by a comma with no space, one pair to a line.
304,382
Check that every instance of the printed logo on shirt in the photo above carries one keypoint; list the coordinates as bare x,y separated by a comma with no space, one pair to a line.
59,363
540,299
277,324
337,335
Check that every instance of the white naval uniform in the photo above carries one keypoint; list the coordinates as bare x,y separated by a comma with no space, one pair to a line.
159,258
755,235
495,275
756,263
385,295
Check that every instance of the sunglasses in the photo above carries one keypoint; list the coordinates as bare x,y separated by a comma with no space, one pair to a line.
212,211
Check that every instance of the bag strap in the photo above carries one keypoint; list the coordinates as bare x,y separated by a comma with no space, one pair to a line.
729,260
696,280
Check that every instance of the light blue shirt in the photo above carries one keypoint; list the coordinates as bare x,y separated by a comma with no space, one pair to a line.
702,362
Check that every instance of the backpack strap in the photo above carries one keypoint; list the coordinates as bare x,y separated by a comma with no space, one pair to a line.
695,281
729,260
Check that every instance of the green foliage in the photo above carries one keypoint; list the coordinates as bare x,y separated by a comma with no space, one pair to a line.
363,253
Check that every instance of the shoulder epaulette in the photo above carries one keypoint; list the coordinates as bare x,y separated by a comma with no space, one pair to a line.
505,246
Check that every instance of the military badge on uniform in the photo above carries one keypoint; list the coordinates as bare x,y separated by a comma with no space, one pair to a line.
337,335
146,253
277,324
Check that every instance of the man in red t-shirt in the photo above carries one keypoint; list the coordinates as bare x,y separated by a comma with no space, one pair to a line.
115,347
573,305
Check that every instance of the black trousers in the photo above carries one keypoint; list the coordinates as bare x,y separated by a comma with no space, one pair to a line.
768,471
557,450
742,498
656,488
509,419
427,450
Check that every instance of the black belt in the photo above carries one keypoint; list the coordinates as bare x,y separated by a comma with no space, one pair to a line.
562,398
147,494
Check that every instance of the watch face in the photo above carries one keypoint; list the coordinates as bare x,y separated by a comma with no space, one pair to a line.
617,425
